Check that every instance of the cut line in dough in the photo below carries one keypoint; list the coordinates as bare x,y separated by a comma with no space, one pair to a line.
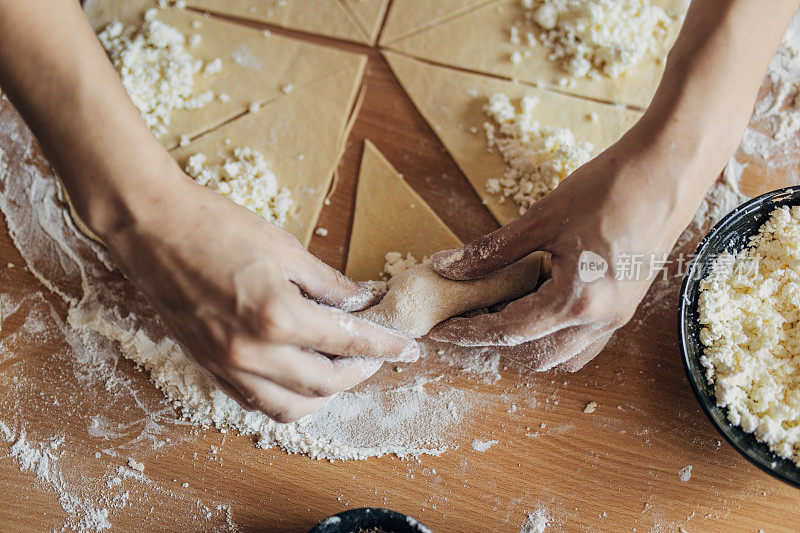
478,40
256,68
351,20
452,101
299,135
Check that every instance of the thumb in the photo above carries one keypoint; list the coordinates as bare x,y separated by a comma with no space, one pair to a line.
330,287
494,251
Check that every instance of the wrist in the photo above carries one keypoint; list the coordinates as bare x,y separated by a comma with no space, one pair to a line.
113,199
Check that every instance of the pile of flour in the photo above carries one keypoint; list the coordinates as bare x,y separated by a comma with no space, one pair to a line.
375,420
537,157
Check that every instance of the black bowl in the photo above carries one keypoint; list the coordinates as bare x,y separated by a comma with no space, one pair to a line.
368,518
731,234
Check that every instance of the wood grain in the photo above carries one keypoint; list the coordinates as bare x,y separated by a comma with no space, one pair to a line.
614,469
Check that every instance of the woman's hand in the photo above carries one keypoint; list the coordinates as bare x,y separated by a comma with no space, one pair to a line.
601,213
249,303
631,201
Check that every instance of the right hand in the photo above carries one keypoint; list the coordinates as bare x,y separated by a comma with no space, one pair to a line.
249,303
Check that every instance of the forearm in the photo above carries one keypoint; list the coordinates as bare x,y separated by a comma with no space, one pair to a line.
57,75
705,99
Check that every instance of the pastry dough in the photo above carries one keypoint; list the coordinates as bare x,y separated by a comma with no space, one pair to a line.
419,298
352,20
411,16
452,103
299,134
478,40
256,68
390,217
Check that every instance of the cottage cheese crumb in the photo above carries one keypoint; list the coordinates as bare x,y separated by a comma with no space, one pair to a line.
482,445
396,263
590,407
157,70
749,308
246,179
594,37
135,465
537,157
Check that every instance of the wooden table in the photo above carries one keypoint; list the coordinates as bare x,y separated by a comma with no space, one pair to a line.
614,469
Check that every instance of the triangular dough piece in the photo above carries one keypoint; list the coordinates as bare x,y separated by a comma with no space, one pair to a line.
369,13
101,13
410,16
301,137
323,17
390,217
479,41
256,68
452,103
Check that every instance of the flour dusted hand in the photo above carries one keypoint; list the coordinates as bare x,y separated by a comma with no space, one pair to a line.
419,298
250,304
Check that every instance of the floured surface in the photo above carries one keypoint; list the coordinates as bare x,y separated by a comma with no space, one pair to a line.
390,217
452,103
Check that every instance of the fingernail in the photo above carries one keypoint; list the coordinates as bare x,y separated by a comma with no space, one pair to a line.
410,354
370,294
445,258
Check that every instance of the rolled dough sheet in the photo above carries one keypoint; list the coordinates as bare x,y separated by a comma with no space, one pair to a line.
390,217
478,40
451,102
256,68
300,135
370,14
410,16
419,298
342,19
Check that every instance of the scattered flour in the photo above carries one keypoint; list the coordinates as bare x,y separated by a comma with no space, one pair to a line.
157,70
593,37
749,308
247,180
590,407
104,309
535,522
537,157
483,445
685,473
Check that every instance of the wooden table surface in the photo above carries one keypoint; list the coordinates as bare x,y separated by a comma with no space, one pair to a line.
614,469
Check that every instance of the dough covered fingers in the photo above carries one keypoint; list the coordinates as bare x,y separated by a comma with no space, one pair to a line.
420,298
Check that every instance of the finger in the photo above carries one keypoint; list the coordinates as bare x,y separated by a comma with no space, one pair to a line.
545,353
580,360
234,394
495,250
531,317
278,403
331,331
301,371
328,286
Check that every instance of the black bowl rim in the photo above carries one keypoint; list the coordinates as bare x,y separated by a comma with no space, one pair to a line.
683,311
389,513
